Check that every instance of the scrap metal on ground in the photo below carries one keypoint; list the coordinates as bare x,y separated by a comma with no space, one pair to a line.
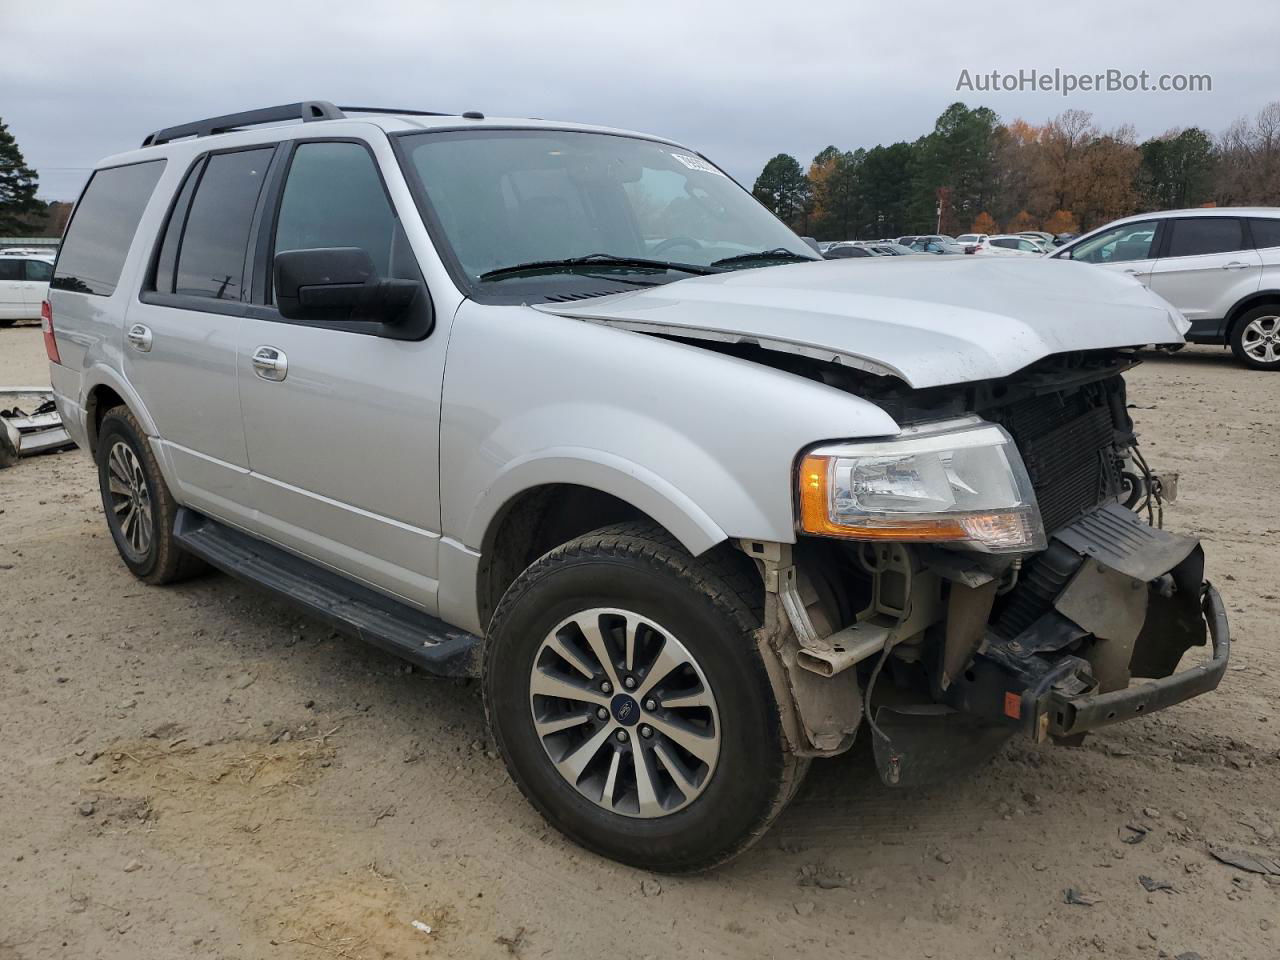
23,434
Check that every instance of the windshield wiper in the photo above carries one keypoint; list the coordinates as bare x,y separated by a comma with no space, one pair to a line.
777,253
594,260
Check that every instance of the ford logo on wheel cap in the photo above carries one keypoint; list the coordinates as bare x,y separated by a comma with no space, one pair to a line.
625,710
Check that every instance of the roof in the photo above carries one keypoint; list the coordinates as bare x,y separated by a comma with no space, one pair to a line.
271,123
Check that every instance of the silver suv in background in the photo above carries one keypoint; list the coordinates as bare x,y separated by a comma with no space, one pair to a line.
565,409
1219,265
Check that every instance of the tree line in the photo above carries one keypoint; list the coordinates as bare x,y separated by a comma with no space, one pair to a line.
975,173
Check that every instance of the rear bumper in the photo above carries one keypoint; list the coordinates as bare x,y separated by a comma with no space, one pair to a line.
1069,716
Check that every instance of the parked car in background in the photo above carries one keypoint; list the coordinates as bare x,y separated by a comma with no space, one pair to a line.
890,248
1045,240
24,286
936,245
1007,245
969,239
1219,265
848,250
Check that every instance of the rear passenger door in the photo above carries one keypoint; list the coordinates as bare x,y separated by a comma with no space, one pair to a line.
342,428
1207,264
181,334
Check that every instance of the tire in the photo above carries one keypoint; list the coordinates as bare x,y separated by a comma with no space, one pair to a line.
1255,337
710,606
137,503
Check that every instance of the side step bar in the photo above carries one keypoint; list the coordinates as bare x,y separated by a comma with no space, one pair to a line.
347,606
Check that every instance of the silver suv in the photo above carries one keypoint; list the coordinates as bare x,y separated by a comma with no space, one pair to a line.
565,409
1219,265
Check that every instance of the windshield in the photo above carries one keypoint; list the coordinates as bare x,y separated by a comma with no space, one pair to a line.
507,198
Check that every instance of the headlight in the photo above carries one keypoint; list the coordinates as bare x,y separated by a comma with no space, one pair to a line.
956,482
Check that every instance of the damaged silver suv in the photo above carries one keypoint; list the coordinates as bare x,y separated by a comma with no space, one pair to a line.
565,409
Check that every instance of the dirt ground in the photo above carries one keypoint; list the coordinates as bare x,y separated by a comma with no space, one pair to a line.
198,771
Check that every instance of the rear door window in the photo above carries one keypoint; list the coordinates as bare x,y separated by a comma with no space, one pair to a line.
102,228
1266,232
211,254
1198,236
39,270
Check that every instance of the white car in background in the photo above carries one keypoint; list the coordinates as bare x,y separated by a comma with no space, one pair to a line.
24,285
1219,265
1006,245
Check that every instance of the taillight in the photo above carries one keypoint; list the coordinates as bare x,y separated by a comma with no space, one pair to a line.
46,324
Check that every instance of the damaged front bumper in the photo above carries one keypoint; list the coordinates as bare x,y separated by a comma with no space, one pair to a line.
1110,601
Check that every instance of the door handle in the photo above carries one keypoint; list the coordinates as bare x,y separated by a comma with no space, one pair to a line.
140,337
1235,265
270,363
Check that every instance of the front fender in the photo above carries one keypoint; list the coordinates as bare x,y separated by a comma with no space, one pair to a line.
704,443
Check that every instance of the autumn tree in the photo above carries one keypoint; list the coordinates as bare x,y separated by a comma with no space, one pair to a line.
984,223
783,188
1022,220
18,203
1061,221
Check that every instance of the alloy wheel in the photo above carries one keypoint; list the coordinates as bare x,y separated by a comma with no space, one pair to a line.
1261,339
624,713
130,499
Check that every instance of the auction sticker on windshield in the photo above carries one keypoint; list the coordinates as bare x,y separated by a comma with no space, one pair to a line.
697,163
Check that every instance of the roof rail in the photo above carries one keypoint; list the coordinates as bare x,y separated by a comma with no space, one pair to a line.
394,110
306,110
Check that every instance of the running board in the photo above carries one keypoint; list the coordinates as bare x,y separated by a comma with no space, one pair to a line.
347,606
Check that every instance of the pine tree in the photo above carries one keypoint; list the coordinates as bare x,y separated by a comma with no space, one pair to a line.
17,188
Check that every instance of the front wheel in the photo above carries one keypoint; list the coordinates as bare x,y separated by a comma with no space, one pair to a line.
1255,339
630,703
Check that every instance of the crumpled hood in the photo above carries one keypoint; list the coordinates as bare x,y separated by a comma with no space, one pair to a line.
929,321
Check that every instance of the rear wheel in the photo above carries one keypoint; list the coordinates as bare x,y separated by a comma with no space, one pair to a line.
1255,338
629,701
139,508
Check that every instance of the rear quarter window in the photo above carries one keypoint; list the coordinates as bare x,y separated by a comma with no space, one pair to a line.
103,226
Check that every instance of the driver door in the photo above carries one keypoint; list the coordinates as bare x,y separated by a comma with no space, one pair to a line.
342,427
1129,249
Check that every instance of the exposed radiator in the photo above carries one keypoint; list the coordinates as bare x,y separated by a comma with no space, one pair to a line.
1066,443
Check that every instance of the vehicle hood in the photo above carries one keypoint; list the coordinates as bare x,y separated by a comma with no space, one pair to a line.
927,320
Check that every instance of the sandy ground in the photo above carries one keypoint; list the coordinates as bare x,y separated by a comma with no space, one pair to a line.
199,772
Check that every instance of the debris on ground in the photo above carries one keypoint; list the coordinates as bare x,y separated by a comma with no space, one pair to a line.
1151,885
23,434
512,943
650,887
1241,860
1133,833
1074,897
419,925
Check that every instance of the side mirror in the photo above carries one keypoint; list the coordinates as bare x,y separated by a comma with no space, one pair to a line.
340,284
812,243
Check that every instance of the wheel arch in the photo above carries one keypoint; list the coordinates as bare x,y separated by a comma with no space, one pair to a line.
103,391
553,500
1243,306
